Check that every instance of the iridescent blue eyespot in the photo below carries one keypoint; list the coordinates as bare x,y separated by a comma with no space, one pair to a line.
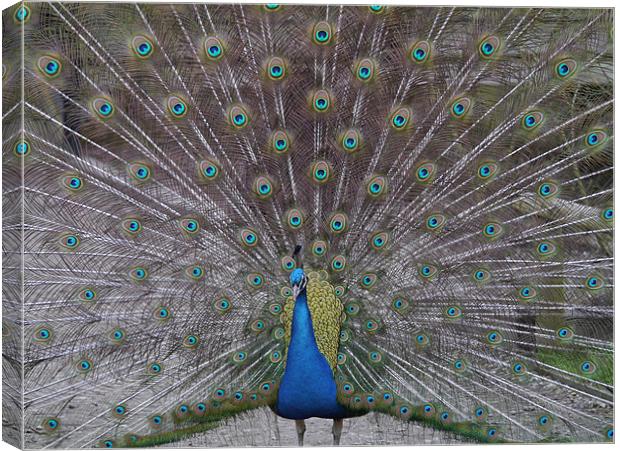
214,48
22,14
420,51
608,214
51,424
489,46
565,68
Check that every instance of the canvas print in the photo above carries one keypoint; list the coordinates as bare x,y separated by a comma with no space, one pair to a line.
238,225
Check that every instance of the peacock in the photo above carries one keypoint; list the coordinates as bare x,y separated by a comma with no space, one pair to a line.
219,213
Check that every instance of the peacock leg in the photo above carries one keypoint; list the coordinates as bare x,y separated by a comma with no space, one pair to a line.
337,430
300,425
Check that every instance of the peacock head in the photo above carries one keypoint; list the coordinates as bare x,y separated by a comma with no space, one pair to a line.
298,281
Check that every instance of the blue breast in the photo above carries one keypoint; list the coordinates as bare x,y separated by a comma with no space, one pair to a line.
307,388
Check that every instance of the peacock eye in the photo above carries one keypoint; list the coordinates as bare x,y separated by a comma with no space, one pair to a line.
161,313
189,226
117,335
376,186
368,280
320,172
103,108
379,240
43,334
492,230
22,14
142,46
51,424
532,120
420,51
49,66
488,47
195,272
519,368
594,282
587,367
263,187
119,411
376,9
248,237
480,413
365,70
214,48
494,338
596,138
453,312
239,357
272,7
321,101
280,142
238,117
208,170
460,365
425,172
565,68
460,107
177,107
87,295
375,357
21,148
154,368
481,275
338,223
72,183
608,214
84,365
322,33
69,241
564,333
351,141
486,171
527,294
222,305
276,68
139,172
400,118
138,273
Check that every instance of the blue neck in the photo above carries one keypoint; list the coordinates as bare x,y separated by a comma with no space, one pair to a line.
307,388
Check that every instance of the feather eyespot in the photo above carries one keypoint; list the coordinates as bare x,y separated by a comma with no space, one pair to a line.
51,424
69,241
119,411
480,413
595,138
400,304
428,272
594,282
276,69
338,223
21,148
435,222
142,47
73,183
460,365
177,107
351,141
43,334
489,46
369,280
376,9
117,336
222,305
376,186
379,240
481,276
532,120
420,52
564,333
319,248
339,290
544,422
263,187
492,230
22,14
494,338
608,214
565,68
190,341
321,101
49,66
548,190
322,33
280,142
365,70
87,295
272,7
255,280
238,117
372,325
399,120
425,172
341,358
208,170
460,107
287,263
527,294
248,237
140,172
519,369
275,357
84,366
195,272
587,367
453,312
214,48
321,172
189,226
338,263
294,219
487,170
239,357
162,313
103,107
